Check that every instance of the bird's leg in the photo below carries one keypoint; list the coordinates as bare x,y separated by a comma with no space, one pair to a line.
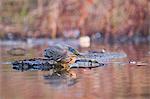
66,67
71,59
72,74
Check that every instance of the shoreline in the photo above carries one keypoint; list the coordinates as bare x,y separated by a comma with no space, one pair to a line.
72,41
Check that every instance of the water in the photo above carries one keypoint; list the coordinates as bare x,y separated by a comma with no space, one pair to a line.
122,78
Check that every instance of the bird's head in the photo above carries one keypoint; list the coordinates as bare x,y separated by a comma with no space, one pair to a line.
72,50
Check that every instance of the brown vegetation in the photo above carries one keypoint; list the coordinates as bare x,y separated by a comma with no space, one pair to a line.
53,17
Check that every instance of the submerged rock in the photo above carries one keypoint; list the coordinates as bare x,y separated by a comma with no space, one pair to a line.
33,64
59,58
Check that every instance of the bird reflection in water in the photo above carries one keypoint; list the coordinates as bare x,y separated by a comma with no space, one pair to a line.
61,79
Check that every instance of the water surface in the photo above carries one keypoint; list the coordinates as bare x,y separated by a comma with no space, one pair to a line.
116,80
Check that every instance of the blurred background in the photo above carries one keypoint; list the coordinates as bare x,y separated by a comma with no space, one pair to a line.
28,27
102,20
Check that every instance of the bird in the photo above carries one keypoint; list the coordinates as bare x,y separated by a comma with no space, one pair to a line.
61,55
55,53
60,52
